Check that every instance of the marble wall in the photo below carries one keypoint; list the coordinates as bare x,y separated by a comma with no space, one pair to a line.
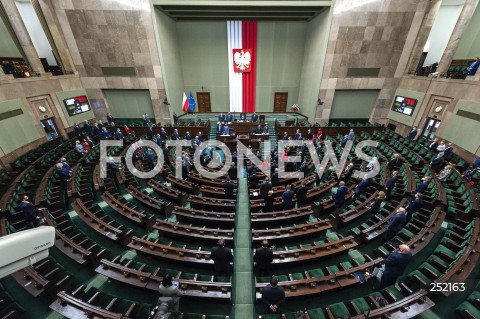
113,34
369,34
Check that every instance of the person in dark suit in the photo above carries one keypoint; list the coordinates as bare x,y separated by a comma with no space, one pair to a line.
302,195
200,137
221,117
344,141
390,184
150,133
230,118
158,139
253,180
232,171
175,117
118,135
163,134
434,145
185,170
32,214
175,135
351,135
145,120
151,158
254,117
273,296
395,162
222,257
339,196
275,178
228,188
438,162
63,173
243,117
447,153
265,187
377,203
395,224
188,137
77,129
423,185
395,265
263,258
414,206
361,187
226,130
110,119
285,136
86,127
265,129
412,134
287,198
348,172
65,164
269,200
298,136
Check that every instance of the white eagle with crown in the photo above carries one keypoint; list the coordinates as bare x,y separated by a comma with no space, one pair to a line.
242,60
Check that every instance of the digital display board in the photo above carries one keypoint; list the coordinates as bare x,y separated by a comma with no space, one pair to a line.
77,105
404,105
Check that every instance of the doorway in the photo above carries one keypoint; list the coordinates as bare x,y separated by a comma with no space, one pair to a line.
280,102
203,99
50,128
431,126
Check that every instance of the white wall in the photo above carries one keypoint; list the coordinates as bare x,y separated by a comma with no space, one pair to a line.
36,32
442,29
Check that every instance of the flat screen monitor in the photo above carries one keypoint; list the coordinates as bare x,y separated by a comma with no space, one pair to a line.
404,105
77,105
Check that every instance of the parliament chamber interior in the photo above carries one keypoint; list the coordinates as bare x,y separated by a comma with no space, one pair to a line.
213,159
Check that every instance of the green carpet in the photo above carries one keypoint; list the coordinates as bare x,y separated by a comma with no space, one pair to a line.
243,297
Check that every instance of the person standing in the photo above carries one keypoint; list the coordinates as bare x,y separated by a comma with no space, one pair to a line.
339,196
228,188
412,134
168,289
269,202
263,258
361,187
414,206
390,184
222,257
396,223
423,185
32,214
395,265
287,198
302,195
273,296
377,203
265,187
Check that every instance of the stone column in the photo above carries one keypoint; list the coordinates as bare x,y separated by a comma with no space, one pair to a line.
23,36
460,27
422,37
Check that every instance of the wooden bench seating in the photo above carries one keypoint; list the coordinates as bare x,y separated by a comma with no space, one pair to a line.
213,204
92,304
187,231
170,251
291,233
313,252
156,204
282,216
171,194
204,217
183,185
131,213
199,286
102,224
72,242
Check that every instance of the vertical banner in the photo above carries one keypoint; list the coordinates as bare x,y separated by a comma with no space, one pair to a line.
249,41
235,80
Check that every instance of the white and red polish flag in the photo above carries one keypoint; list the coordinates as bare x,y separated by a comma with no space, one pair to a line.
242,47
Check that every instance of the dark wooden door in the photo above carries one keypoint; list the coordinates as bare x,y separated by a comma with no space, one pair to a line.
280,102
203,99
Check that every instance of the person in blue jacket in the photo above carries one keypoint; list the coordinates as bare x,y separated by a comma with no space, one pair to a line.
395,265
423,185
254,117
396,223
390,184
414,206
413,133
361,187
473,67
151,158
287,198
340,195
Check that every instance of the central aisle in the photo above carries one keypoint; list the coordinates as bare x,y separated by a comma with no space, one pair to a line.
243,298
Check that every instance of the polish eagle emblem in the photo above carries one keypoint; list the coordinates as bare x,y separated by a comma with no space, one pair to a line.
242,59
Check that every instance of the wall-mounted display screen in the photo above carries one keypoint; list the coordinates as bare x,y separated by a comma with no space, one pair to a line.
404,105
77,105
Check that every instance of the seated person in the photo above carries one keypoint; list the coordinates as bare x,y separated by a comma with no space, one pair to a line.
226,130
242,117
265,129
